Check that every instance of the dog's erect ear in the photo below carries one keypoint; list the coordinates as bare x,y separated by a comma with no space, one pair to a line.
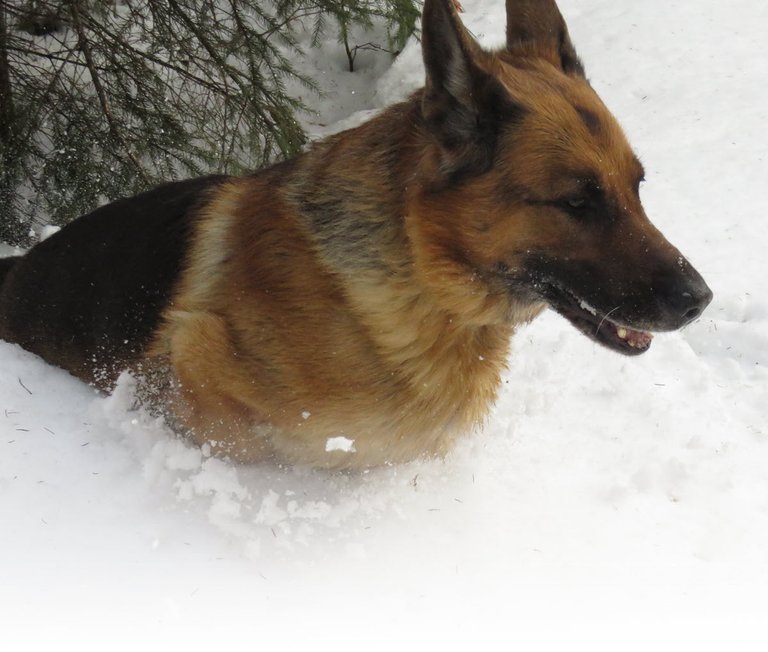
463,103
450,53
537,28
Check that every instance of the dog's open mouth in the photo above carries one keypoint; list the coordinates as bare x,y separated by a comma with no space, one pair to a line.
599,326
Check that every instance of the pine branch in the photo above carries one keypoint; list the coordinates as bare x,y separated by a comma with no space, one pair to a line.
101,94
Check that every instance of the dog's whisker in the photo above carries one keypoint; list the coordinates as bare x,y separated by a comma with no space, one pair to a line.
602,321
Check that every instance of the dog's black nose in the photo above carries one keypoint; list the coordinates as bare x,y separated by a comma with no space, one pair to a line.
681,295
688,298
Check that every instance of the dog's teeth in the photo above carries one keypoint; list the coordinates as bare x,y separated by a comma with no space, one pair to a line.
622,332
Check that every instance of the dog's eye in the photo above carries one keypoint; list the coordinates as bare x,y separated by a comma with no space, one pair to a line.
577,203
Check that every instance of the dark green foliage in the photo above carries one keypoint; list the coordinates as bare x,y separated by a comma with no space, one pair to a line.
100,99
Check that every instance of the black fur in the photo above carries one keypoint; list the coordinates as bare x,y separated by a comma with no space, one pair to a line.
124,259
464,107
6,264
665,299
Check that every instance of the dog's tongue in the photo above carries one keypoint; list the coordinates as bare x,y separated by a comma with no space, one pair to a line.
636,339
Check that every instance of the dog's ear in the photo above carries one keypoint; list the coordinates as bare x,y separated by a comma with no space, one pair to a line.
537,28
463,103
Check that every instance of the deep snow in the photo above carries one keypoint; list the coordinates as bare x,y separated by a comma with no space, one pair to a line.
610,503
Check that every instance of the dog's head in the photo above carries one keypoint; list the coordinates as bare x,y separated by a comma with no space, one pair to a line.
530,191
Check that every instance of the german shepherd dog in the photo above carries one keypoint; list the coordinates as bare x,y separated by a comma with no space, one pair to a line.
368,288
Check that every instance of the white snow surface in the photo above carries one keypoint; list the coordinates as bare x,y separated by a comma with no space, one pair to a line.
609,503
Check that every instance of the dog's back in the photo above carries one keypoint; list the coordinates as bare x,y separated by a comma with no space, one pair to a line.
6,264
105,324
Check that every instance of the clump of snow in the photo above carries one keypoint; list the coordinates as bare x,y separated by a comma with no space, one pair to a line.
585,306
340,444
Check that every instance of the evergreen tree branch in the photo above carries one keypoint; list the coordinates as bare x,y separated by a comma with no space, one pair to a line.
101,94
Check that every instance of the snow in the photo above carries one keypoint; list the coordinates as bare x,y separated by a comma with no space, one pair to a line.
608,504
7,250
48,230
340,444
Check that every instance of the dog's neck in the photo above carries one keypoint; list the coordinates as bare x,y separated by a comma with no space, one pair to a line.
358,204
